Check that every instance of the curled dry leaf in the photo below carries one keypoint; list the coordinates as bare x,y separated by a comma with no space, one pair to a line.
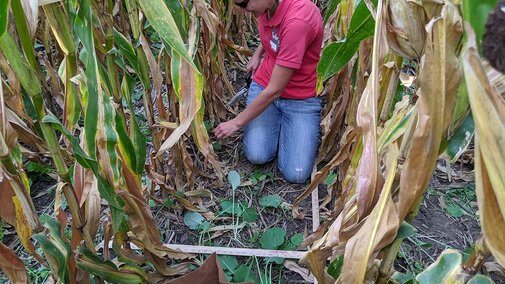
488,109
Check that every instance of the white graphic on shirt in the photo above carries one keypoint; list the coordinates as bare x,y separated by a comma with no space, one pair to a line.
274,41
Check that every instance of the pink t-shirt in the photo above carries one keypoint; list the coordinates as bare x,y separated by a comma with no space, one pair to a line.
292,38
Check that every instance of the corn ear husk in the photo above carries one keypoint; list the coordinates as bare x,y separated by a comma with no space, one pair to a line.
405,24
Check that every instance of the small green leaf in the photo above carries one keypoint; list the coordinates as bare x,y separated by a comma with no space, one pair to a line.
228,262
273,238
259,175
205,226
287,246
169,203
271,201
234,179
151,203
406,230
34,167
250,215
193,220
208,125
217,146
243,273
227,208
335,267
330,178
454,210
297,239
180,194
253,181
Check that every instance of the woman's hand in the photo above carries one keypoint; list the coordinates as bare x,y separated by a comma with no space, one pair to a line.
226,129
253,64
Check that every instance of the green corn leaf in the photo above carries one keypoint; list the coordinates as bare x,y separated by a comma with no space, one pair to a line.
24,33
476,13
143,72
111,138
461,139
138,139
58,21
181,16
163,22
106,191
128,153
133,16
4,19
445,270
108,271
30,83
337,54
462,105
25,75
396,128
83,28
54,246
127,50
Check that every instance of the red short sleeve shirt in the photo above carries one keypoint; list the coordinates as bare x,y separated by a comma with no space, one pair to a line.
292,38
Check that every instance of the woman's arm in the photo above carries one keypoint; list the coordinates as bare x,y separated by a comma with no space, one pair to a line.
278,81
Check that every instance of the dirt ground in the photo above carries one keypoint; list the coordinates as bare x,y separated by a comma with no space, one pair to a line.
447,217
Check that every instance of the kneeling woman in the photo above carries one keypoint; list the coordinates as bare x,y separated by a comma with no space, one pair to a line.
283,113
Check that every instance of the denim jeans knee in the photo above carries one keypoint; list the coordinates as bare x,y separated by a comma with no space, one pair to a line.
258,156
296,175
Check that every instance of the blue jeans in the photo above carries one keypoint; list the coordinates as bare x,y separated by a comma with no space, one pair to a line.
290,127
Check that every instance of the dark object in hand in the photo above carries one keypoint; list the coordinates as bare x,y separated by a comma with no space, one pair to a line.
242,91
493,42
